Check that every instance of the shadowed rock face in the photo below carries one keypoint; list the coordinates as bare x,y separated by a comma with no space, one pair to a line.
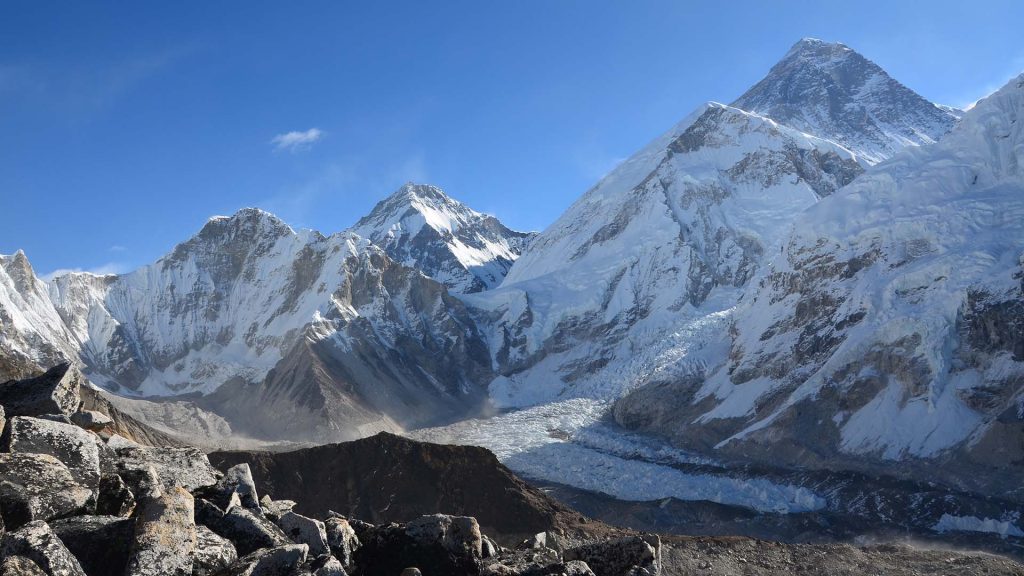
54,392
387,478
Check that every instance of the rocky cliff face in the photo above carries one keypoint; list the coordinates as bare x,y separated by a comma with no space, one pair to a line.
888,329
421,227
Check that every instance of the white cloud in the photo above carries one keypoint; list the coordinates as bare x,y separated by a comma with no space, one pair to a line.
108,268
117,248
295,141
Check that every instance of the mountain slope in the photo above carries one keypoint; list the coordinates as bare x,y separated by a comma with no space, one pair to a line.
831,91
637,278
889,329
327,330
32,334
423,228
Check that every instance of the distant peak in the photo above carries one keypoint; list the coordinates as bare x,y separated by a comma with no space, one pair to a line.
411,190
813,50
244,225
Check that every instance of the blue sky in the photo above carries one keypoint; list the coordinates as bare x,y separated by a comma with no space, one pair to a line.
126,125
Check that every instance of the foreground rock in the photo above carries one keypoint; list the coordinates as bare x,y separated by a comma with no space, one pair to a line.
248,531
165,536
279,561
37,542
78,449
100,543
20,566
303,530
634,555
342,539
43,484
186,467
437,544
55,392
115,498
213,553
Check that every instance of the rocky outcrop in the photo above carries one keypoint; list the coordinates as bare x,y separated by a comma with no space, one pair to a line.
37,542
165,536
20,566
305,530
213,553
101,544
388,478
76,448
43,486
635,555
55,392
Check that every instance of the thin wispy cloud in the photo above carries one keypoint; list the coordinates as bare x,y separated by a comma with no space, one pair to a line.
108,268
296,141
117,248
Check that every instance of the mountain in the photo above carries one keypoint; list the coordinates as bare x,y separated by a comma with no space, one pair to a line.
831,91
325,329
891,328
638,277
32,334
421,227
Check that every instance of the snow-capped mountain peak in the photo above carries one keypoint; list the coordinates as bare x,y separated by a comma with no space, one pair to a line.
830,90
421,226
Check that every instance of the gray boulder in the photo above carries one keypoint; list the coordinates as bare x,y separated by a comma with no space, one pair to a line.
274,509
55,392
277,561
91,420
303,530
100,543
165,536
47,485
342,539
458,535
330,567
17,506
186,467
37,542
213,553
436,544
632,555
115,498
246,529
78,449
20,566
237,480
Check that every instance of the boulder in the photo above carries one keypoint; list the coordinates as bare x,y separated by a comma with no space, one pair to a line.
342,539
436,544
277,561
632,555
55,392
308,531
577,568
236,480
78,449
411,571
274,509
100,543
488,548
213,553
17,506
246,529
20,566
328,566
37,542
46,485
115,498
186,467
91,420
458,535
165,536
527,562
